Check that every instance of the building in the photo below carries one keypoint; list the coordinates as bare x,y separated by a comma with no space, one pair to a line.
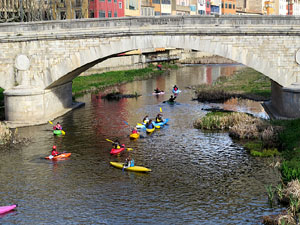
181,7
106,8
201,7
250,7
147,9
132,7
215,6
228,7
69,9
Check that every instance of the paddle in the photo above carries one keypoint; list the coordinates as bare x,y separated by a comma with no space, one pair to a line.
63,133
160,109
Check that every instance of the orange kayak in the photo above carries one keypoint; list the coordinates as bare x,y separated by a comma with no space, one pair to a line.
60,156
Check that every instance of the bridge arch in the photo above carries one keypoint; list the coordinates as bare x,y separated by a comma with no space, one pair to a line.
79,62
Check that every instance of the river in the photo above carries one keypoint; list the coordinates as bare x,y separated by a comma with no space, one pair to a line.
197,177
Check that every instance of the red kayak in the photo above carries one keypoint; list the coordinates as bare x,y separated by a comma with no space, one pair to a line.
115,151
4,209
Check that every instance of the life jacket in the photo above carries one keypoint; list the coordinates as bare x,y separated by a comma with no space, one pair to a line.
54,153
175,88
134,131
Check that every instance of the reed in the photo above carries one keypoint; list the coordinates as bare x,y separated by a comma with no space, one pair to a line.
270,192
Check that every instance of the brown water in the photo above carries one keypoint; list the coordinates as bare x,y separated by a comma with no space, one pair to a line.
196,178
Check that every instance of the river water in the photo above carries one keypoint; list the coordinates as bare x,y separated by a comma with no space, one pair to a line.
197,177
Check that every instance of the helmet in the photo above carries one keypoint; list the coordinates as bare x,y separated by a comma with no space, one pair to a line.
54,147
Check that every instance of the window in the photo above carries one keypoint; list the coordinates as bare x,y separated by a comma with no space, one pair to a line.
91,14
109,13
225,5
233,6
229,6
115,1
62,15
156,1
207,4
157,13
101,0
102,14
109,0
120,5
78,14
115,14
166,2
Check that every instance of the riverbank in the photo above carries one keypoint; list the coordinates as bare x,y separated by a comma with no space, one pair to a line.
245,83
278,139
95,82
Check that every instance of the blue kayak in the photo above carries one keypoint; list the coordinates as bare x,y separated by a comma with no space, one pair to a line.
176,92
161,123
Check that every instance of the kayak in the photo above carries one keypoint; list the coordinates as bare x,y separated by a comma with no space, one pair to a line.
161,123
4,209
159,93
132,168
140,126
150,130
134,136
57,132
115,151
176,92
60,156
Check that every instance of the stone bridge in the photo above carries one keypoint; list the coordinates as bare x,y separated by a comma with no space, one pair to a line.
39,60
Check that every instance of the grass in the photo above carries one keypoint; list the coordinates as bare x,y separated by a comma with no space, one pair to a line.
246,83
83,84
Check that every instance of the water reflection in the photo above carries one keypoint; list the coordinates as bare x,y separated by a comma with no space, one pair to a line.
197,178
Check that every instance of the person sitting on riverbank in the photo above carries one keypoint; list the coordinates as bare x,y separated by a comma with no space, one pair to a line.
116,144
159,118
57,126
146,119
172,99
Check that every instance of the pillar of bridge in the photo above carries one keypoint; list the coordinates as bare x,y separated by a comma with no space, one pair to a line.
285,101
32,105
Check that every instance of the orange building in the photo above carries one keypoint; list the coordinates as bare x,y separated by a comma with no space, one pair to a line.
228,7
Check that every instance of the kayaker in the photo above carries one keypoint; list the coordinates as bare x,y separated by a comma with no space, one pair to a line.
116,144
57,126
128,162
146,119
54,152
175,88
156,90
149,125
159,118
159,66
172,99
134,131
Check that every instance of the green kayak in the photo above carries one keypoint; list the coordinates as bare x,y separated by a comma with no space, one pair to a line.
57,132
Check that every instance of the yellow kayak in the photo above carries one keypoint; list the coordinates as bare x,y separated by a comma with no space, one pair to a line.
134,136
133,168
150,130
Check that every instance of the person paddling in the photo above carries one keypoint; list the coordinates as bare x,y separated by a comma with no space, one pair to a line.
54,152
175,88
57,126
172,99
146,119
159,118
134,131
149,125
116,144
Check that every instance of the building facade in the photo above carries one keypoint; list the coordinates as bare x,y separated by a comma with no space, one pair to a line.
106,8
228,7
